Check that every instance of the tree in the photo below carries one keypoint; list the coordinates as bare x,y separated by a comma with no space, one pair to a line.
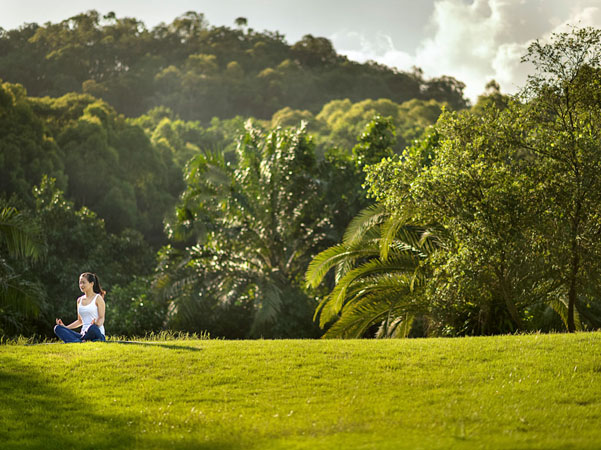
491,96
251,231
135,69
26,152
112,166
476,189
375,142
378,276
562,130
315,51
342,120
21,240
517,193
241,22
448,90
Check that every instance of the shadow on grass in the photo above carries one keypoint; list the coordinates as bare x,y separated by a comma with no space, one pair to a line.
156,344
35,412
146,344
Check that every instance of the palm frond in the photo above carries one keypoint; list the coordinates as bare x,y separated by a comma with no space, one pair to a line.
333,256
342,269
387,272
358,318
22,238
430,240
19,293
395,326
390,230
401,326
367,219
391,283
385,285
168,288
560,306
361,279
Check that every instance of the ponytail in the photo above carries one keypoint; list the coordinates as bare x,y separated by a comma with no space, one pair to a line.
93,278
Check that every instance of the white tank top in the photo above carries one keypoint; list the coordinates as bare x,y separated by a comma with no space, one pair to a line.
87,314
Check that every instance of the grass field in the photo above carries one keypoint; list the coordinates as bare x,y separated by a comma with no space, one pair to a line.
511,392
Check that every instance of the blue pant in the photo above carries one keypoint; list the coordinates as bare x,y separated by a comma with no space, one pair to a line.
92,334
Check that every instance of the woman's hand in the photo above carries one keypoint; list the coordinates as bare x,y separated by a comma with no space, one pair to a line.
60,322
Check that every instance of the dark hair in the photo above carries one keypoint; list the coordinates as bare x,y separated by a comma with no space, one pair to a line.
93,278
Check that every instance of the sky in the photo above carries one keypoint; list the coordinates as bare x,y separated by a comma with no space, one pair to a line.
474,41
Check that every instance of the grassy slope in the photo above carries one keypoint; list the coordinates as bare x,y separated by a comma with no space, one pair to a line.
536,391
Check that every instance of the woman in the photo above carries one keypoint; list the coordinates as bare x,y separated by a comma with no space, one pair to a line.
90,313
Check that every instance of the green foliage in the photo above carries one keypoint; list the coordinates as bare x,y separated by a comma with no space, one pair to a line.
562,119
511,187
479,192
377,274
26,151
183,140
76,241
133,311
104,183
21,244
515,187
344,120
200,71
256,225
492,97
112,166
19,236
469,179
336,126
375,142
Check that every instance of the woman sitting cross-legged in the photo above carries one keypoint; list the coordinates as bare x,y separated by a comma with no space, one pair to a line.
90,313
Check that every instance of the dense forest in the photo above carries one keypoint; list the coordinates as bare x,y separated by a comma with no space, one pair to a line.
218,179
199,71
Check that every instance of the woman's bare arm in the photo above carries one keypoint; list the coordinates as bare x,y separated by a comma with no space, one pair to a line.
101,311
72,325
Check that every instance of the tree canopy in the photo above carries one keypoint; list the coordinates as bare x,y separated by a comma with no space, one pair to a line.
513,188
200,71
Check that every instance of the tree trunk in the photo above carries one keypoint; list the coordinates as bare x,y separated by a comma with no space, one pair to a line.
574,267
504,283
572,293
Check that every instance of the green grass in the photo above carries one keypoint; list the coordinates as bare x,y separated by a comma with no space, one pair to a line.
533,391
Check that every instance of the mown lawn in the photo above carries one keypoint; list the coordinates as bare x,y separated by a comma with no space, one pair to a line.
533,391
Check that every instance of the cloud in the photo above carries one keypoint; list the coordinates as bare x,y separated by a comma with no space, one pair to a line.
476,41
379,47
583,16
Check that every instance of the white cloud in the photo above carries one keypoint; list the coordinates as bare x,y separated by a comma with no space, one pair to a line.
476,41
507,69
358,47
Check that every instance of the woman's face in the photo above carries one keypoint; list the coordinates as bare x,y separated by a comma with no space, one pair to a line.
84,284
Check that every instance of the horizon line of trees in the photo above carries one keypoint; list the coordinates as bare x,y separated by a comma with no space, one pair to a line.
200,71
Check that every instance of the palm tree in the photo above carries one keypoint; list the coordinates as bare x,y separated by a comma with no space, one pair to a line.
21,240
379,268
253,227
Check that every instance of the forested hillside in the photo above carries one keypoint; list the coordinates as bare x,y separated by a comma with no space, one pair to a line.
92,190
198,70
218,179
